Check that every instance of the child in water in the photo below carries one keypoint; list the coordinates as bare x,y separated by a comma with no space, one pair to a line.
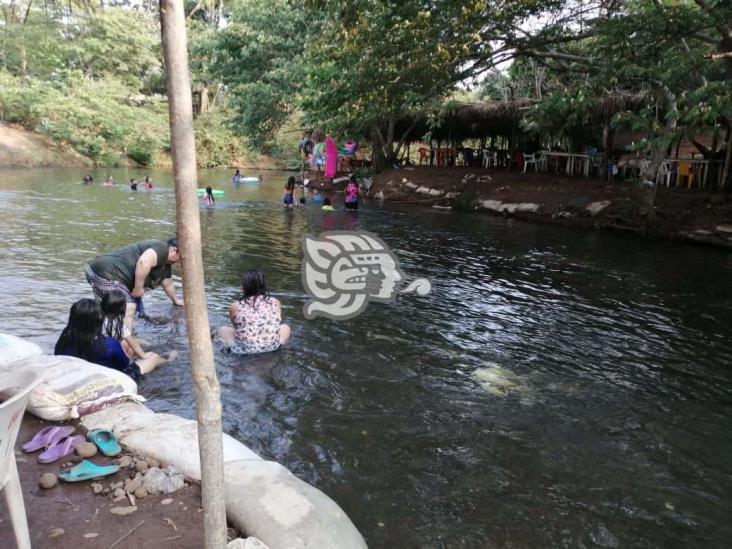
148,183
209,197
133,185
327,206
289,198
237,178
257,319
317,197
83,338
114,306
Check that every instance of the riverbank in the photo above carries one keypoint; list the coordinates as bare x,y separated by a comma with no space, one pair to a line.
70,515
22,148
693,215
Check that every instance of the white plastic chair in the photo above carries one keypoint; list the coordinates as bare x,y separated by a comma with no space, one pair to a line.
665,172
534,159
11,413
490,158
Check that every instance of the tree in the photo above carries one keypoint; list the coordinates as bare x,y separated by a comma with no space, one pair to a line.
208,400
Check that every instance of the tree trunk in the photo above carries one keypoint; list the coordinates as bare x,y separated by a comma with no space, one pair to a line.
183,150
727,165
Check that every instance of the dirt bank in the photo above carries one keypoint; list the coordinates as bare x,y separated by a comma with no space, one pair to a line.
70,516
696,215
20,148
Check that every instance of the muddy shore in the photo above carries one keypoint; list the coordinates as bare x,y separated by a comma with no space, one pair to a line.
694,215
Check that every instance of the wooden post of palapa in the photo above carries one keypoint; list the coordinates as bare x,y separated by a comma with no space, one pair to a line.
208,403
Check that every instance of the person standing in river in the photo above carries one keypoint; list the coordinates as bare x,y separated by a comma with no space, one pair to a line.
145,264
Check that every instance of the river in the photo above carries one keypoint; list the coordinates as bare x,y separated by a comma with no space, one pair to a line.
558,387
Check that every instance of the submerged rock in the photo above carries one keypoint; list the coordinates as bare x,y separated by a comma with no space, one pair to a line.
497,381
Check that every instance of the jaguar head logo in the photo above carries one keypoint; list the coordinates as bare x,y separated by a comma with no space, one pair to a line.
343,270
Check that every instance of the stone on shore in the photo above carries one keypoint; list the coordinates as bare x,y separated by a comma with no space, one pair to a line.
48,481
123,510
86,449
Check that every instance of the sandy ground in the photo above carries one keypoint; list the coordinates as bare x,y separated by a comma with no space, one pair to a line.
81,514
681,213
20,148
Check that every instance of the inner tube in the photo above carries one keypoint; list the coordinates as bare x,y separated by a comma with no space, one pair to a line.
216,192
249,179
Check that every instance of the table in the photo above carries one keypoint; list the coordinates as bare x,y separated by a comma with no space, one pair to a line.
583,161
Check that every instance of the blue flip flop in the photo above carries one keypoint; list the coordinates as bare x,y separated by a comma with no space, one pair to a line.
105,441
86,470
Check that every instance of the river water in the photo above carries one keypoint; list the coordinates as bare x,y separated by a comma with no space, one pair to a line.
557,388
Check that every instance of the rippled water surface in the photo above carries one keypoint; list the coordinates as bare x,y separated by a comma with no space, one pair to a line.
557,388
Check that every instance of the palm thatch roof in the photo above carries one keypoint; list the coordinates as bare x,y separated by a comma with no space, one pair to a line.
459,120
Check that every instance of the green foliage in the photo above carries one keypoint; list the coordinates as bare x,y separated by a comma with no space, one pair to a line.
216,144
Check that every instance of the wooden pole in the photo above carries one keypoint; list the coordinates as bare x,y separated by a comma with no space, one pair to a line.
208,402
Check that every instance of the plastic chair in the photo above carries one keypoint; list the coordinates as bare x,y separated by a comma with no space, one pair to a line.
11,414
490,158
534,159
665,172
686,171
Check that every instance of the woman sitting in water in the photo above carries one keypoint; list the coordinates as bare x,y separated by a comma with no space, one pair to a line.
257,319
82,337
148,183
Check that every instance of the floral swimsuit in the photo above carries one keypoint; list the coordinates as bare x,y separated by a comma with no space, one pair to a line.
257,326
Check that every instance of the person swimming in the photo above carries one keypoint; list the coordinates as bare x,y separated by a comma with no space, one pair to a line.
148,183
317,197
237,177
108,182
88,179
133,185
327,206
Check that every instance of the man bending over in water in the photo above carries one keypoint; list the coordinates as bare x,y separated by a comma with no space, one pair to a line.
145,264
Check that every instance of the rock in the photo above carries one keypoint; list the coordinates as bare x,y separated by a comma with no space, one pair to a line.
596,207
527,207
238,543
119,493
435,192
123,510
411,185
91,535
255,543
153,463
133,485
493,205
166,501
116,485
163,481
125,461
451,195
56,532
86,449
727,229
141,466
140,493
379,195
48,481
703,232
97,488
423,190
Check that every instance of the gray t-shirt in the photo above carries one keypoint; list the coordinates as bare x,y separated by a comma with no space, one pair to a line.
120,265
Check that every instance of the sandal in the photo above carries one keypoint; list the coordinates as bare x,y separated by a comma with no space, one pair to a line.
60,450
86,470
47,437
105,441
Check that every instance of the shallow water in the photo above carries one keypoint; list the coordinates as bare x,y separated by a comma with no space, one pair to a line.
603,422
